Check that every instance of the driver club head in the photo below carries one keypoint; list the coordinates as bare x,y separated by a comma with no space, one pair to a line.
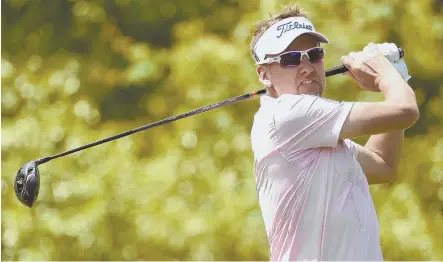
27,183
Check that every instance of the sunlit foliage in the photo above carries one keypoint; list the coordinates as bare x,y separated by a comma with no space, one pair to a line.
74,72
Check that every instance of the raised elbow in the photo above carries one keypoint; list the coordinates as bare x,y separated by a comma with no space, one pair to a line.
409,115
384,175
391,175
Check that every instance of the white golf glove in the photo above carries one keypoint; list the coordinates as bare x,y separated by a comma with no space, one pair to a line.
390,51
401,67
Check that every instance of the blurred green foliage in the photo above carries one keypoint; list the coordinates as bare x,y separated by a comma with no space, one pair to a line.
77,71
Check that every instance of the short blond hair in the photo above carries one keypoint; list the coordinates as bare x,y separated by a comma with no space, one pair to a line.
288,10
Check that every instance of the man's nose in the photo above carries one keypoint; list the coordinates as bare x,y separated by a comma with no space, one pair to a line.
306,67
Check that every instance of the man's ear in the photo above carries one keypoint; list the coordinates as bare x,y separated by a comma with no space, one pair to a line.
263,76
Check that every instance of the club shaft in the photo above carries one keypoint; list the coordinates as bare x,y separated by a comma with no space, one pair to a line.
330,72
160,122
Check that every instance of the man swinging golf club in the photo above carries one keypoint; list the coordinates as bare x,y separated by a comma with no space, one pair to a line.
311,178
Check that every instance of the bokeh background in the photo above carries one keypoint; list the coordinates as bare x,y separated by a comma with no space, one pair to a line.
73,72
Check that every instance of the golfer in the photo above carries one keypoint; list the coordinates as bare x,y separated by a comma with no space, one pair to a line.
311,178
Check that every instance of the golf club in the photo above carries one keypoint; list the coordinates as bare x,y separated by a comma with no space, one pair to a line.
27,181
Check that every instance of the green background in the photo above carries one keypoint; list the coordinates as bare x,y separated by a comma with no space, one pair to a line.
74,72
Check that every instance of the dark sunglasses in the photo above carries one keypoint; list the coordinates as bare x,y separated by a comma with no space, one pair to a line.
293,58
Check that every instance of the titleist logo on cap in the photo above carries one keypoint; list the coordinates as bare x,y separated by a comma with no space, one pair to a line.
286,27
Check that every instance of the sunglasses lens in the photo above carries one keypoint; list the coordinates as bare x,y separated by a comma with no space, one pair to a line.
294,58
316,54
290,59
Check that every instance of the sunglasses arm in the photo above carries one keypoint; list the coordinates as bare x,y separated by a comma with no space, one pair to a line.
270,60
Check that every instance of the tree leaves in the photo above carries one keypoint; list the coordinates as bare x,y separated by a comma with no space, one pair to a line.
78,71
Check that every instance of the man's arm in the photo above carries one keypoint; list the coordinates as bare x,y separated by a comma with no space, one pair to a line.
387,146
379,157
398,111
382,120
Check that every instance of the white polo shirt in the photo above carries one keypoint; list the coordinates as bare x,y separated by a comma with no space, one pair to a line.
312,192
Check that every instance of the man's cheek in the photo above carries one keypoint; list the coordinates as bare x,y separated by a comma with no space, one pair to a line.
320,70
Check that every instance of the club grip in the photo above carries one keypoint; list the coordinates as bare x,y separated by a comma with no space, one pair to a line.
341,68
336,70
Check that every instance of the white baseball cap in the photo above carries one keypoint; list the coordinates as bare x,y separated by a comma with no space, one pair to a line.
281,34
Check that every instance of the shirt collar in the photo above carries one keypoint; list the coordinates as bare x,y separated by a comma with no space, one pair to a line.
266,99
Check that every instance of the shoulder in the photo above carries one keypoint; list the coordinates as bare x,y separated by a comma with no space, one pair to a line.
294,107
304,101
288,99
301,106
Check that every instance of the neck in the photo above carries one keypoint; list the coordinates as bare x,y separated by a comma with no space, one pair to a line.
272,93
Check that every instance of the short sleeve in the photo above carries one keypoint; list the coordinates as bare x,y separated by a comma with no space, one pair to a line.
305,121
